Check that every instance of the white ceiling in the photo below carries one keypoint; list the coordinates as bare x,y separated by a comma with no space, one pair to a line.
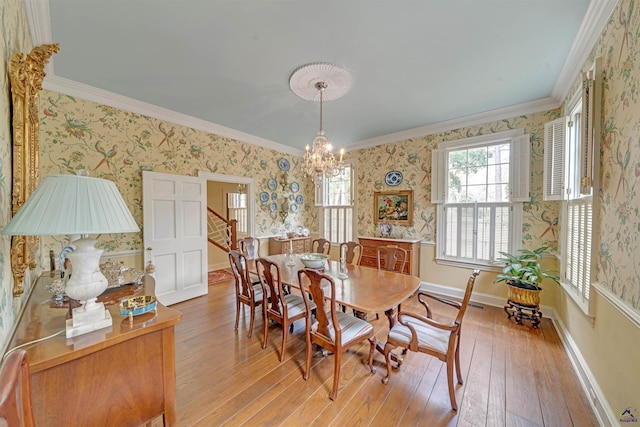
224,65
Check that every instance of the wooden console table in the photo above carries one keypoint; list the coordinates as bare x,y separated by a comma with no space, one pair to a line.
370,252
281,246
123,375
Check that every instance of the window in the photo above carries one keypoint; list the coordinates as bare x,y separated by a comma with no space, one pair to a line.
479,185
571,150
237,209
335,197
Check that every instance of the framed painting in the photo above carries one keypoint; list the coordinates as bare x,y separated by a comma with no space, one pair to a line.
394,206
26,73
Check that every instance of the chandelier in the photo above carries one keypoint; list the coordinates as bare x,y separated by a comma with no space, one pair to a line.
320,160
326,82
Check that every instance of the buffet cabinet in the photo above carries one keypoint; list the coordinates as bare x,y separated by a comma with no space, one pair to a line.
300,245
122,375
370,252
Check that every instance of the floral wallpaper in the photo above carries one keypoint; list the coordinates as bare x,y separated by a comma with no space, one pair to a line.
413,158
119,145
619,252
14,37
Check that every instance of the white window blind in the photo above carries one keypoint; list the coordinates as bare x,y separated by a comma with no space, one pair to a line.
335,198
554,146
578,250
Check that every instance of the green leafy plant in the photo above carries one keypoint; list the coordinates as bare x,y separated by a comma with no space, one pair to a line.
524,270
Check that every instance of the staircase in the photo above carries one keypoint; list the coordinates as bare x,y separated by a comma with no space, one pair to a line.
221,232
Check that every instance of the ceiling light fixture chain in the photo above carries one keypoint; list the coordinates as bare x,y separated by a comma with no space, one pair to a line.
330,82
320,161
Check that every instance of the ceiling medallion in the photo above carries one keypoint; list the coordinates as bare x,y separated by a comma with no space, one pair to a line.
320,82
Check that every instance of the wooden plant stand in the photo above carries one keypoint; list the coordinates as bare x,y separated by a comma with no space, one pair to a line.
514,309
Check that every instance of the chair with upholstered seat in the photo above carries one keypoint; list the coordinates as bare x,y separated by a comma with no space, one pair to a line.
321,246
391,258
351,252
15,391
247,293
250,247
332,330
283,308
422,334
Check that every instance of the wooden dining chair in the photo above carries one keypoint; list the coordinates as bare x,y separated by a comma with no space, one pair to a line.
351,252
283,308
422,334
391,258
321,246
247,293
333,330
250,247
15,391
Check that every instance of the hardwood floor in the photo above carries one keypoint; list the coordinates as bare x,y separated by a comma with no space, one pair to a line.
514,375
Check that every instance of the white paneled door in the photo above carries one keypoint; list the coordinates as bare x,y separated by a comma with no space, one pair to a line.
175,227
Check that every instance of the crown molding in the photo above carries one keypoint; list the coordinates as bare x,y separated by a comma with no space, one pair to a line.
543,104
597,15
90,93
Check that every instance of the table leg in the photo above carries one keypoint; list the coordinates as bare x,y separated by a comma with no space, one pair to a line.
391,315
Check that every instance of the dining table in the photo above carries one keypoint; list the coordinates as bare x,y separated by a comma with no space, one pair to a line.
364,289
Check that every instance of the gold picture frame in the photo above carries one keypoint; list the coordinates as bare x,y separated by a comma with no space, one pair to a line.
396,206
26,73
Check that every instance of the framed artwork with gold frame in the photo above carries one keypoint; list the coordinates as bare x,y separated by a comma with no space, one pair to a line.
26,73
393,206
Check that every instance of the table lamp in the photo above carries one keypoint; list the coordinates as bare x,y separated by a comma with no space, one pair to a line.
77,205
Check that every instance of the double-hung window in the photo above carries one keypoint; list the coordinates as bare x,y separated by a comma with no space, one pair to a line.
479,185
237,209
571,149
334,196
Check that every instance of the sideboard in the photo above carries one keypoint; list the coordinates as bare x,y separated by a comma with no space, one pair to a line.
300,245
116,376
370,252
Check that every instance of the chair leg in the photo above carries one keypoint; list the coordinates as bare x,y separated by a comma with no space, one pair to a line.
458,373
309,346
387,357
237,313
452,394
265,329
372,349
252,318
285,332
336,372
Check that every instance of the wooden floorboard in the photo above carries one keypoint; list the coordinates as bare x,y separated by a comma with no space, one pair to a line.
514,375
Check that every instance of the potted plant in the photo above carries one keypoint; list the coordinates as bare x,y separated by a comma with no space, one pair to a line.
523,273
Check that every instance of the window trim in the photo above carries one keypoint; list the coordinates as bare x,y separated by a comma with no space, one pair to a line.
520,178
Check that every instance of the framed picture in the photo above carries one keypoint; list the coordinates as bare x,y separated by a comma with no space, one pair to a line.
393,206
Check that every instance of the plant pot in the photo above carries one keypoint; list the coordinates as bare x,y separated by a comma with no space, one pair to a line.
522,296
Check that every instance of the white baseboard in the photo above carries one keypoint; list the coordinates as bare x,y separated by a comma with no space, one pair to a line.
606,416
218,266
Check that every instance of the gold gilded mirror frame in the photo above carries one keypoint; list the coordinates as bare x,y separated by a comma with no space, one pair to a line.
26,74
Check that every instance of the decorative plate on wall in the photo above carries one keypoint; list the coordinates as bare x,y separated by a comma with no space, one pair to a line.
299,199
393,178
273,207
273,184
294,208
295,187
274,196
283,164
264,197
292,197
